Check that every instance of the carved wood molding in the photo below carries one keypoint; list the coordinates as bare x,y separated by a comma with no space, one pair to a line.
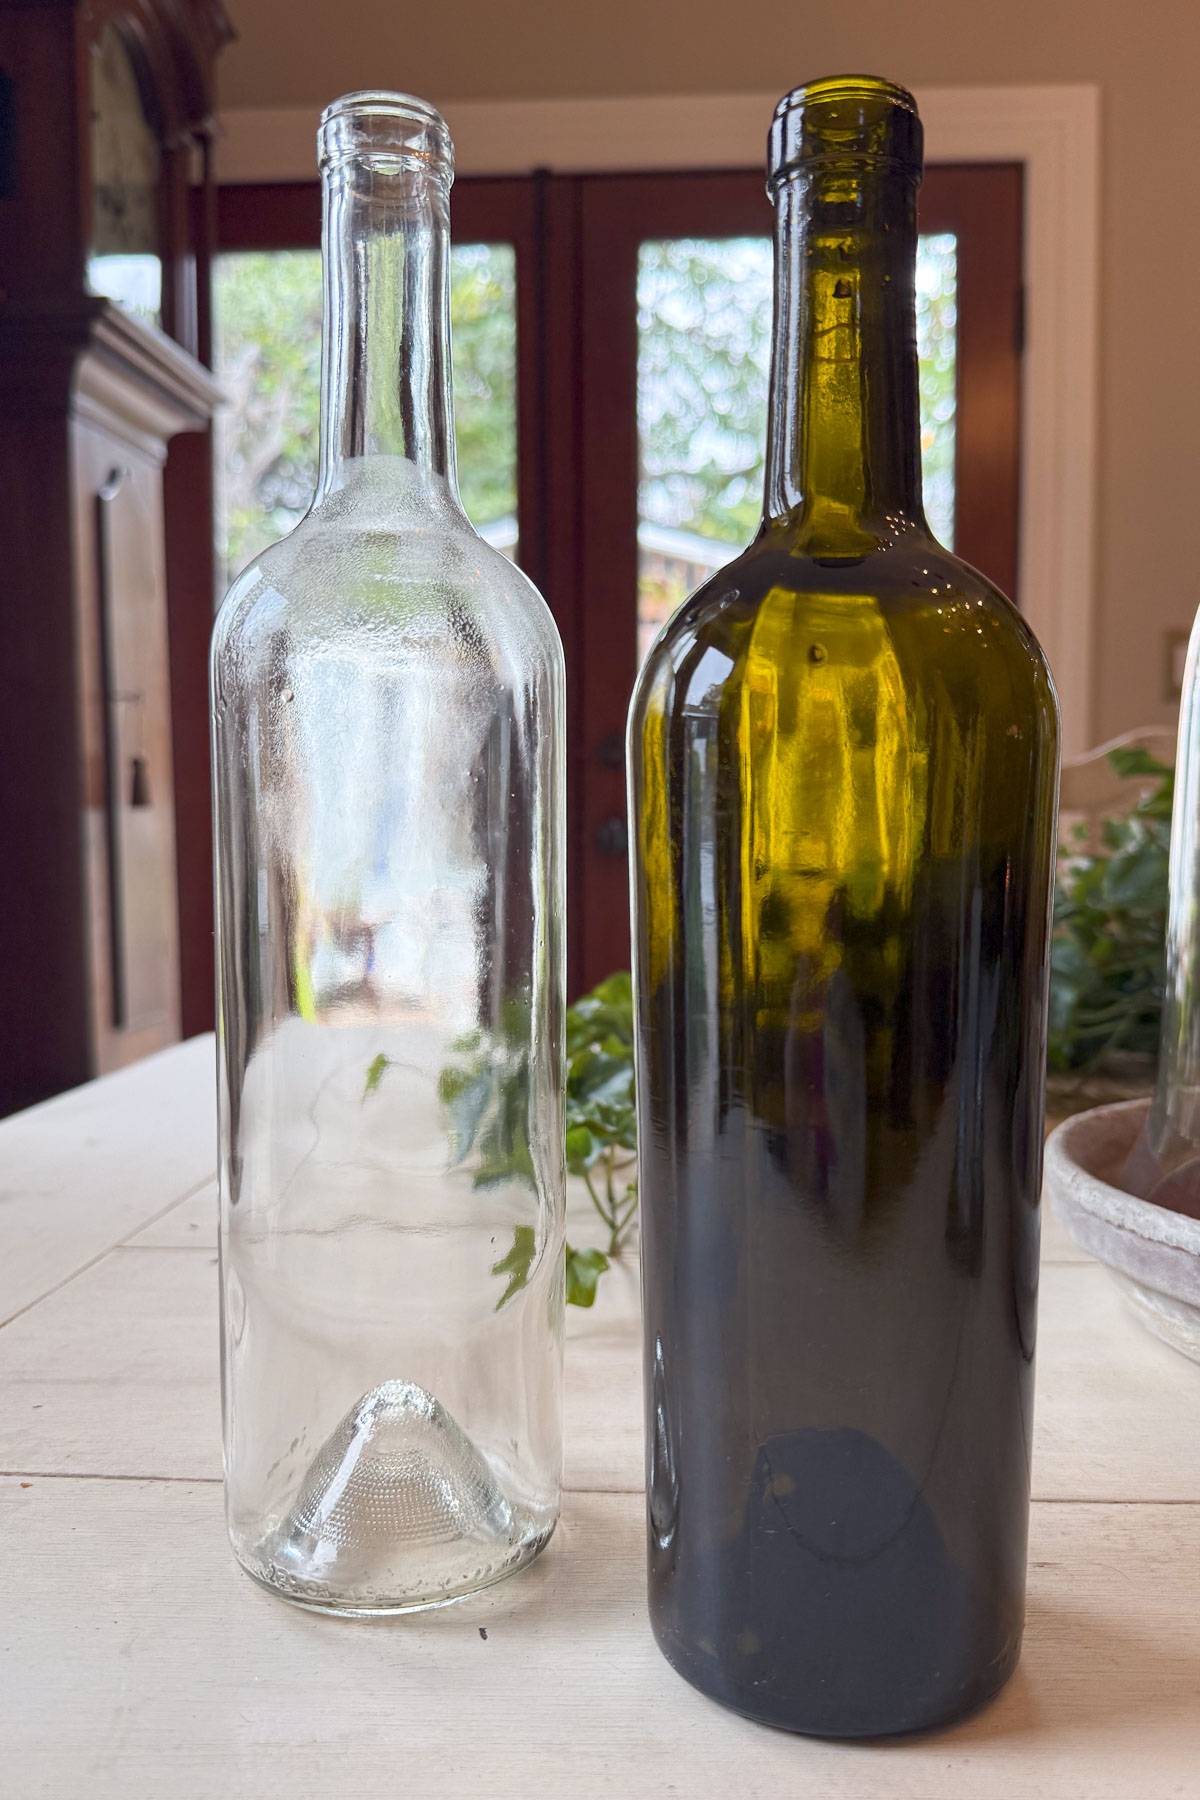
138,382
178,42
100,361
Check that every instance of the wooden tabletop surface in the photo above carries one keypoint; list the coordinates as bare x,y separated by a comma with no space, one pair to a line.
135,1660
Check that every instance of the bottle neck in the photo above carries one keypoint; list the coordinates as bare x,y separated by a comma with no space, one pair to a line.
385,355
844,454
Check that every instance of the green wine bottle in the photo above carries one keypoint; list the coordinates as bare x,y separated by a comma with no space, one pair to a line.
843,764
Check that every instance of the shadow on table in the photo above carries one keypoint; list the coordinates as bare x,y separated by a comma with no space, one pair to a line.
1082,1678
579,1557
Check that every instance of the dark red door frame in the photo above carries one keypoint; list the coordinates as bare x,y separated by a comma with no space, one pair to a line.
983,205
618,213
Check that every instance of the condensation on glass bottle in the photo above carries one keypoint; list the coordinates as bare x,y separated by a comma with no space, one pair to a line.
388,770
1164,1165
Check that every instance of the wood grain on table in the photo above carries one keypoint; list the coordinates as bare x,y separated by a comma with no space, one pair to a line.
136,1660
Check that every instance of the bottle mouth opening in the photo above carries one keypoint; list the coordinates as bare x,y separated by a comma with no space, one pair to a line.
847,89
397,131
844,119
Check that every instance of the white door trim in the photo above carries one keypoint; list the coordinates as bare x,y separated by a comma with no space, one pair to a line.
1053,131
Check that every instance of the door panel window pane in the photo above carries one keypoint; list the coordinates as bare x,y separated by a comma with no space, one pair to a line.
704,337
267,317
937,319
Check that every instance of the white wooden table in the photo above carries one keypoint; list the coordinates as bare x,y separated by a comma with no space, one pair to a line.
135,1660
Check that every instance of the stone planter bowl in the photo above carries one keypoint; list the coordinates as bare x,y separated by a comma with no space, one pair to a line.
1153,1254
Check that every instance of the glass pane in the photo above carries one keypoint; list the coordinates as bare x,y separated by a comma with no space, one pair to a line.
704,339
126,175
267,317
937,321
134,282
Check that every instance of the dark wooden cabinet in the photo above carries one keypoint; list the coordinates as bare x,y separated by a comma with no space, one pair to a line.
106,406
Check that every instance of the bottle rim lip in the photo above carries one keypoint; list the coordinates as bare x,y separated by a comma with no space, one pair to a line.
349,123
844,121
388,102
846,87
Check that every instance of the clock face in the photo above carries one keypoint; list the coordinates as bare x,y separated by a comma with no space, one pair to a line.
125,263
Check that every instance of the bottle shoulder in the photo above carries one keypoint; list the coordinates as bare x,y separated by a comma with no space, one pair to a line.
348,578
911,602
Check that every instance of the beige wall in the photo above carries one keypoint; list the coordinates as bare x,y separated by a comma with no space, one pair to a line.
1146,58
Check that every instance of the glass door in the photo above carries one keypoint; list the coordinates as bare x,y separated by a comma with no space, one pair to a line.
704,341
267,357
675,329
610,345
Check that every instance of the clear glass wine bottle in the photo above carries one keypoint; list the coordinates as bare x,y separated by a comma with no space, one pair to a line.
1164,1164
388,771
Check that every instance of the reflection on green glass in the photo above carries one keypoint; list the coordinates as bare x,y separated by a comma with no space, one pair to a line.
268,356
704,342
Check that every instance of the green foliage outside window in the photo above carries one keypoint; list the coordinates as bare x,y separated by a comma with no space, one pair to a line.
268,319
704,312
704,342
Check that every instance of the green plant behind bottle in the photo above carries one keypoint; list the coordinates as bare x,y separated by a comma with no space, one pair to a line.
485,1097
1106,985
1110,919
600,1117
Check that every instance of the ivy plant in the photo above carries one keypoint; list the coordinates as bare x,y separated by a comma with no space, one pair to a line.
1106,987
485,1095
600,1116
1107,964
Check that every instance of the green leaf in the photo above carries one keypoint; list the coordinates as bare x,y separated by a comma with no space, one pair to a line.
584,1269
375,1072
492,1174
600,1113
616,990
603,1017
517,1264
600,1076
515,1020
1132,882
465,1095
582,1149
1131,759
497,1168
1110,908
451,1083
